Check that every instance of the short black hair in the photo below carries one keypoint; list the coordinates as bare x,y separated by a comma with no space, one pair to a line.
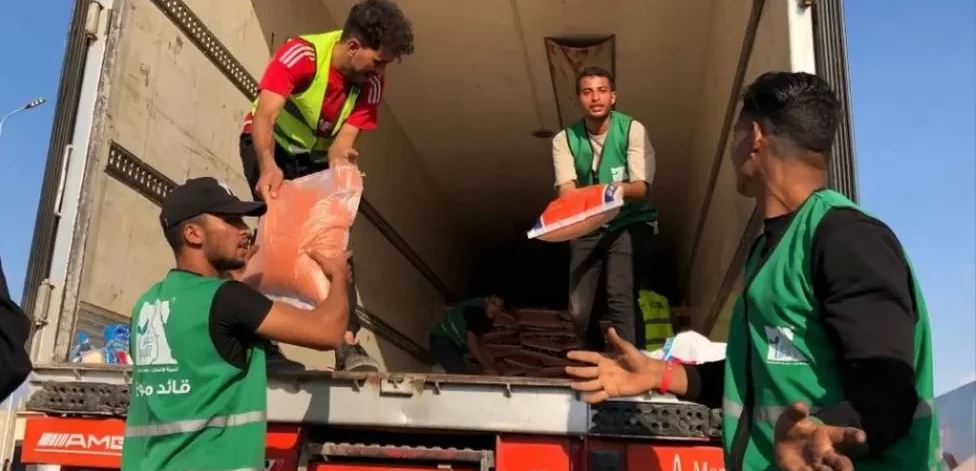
593,71
796,105
380,23
174,235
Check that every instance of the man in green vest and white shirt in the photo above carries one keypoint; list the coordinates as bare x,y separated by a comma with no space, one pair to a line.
829,357
607,146
318,93
199,382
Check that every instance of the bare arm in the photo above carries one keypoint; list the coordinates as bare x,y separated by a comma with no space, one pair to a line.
477,350
270,105
343,147
634,191
321,328
566,188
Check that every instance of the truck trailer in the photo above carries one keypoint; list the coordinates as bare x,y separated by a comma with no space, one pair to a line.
153,92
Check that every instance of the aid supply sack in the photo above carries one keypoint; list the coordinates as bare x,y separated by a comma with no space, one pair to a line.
689,347
311,214
578,213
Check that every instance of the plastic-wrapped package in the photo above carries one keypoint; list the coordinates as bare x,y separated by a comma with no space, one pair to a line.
689,347
578,213
311,214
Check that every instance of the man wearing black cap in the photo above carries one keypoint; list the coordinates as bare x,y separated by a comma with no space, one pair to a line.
199,380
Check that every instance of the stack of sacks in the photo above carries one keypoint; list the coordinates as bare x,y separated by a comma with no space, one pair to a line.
532,343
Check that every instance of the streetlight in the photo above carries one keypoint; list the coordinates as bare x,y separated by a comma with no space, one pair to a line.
29,105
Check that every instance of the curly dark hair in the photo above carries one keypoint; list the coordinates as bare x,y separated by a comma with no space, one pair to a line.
593,71
796,105
380,23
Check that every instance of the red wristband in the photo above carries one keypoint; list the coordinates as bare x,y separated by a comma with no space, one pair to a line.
666,378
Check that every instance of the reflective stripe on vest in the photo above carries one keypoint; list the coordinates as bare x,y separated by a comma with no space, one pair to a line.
296,129
657,318
186,426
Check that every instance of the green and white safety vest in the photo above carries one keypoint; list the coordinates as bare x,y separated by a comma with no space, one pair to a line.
296,128
611,168
779,353
453,326
189,409
656,312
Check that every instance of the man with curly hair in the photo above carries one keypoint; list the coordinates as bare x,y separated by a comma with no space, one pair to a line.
318,93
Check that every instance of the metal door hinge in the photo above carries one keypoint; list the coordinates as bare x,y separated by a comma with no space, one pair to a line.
96,20
42,303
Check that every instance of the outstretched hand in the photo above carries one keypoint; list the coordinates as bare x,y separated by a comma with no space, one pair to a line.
626,373
804,444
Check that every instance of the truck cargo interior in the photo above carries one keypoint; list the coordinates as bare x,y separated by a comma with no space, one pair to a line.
460,166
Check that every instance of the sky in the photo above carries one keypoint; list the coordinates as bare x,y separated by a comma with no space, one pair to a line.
913,79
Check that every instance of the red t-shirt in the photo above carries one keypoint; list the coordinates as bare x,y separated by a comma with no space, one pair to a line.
291,71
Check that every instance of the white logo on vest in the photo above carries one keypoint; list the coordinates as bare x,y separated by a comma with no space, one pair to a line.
781,347
152,347
618,174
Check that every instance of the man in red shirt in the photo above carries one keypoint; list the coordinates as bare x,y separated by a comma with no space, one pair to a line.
345,69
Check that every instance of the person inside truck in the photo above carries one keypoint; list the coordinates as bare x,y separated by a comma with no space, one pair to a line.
198,397
460,332
607,146
829,356
15,364
318,93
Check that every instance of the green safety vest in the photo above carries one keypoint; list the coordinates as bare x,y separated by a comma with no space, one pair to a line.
453,326
779,353
296,128
657,319
612,167
189,409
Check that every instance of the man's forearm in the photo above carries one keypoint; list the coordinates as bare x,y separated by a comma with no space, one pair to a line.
565,188
343,147
264,144
635,191
481,355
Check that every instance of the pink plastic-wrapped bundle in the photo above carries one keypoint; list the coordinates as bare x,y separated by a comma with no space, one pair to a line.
311,214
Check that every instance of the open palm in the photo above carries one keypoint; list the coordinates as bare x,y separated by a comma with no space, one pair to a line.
626,372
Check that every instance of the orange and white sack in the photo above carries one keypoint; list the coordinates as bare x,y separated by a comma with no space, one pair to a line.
311,214
578,213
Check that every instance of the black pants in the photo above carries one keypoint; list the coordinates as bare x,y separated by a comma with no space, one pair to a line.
621,256
294,166
448,355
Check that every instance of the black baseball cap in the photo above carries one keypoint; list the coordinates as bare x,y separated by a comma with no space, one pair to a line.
204,195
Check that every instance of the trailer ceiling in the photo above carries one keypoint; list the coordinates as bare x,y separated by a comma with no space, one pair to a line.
479,84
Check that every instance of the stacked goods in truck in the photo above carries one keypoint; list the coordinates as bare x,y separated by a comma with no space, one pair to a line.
531,342
311,214
578,212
